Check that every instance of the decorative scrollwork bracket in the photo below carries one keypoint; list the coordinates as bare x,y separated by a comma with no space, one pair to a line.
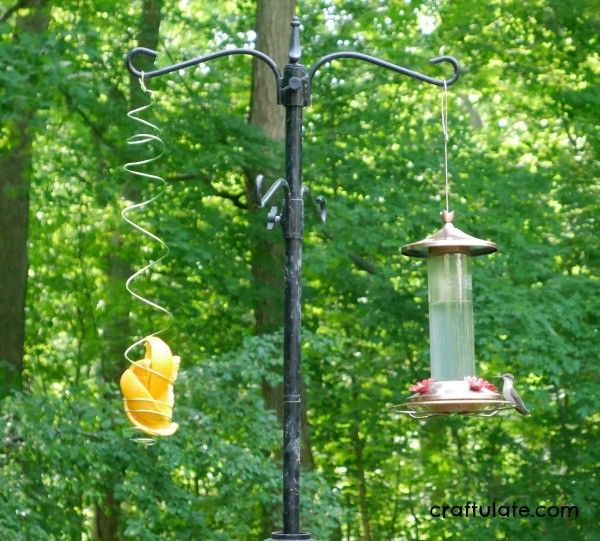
262,198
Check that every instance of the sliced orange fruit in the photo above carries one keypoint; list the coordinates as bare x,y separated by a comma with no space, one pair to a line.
147,387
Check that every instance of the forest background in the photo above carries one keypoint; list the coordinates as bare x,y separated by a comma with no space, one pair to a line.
524,167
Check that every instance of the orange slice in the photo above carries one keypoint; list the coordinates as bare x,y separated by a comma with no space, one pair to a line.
147,387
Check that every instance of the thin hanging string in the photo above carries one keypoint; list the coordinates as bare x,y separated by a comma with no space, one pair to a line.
444,109
148,91
135,168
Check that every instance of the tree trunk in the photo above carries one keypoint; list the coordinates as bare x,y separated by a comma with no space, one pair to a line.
361,480
15,173
147,37
272,37
15,169
119,269
107,519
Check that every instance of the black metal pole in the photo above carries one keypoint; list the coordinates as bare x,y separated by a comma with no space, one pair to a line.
293,98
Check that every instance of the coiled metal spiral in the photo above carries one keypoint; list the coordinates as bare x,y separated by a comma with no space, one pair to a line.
147,137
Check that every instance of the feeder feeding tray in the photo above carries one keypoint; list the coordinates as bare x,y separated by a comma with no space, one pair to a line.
449,397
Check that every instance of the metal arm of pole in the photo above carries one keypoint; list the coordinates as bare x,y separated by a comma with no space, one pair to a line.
195,61
393,67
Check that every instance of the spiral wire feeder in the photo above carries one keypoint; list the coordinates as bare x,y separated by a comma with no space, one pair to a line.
143,371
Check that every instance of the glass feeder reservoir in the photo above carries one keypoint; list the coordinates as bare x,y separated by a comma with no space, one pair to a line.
451,338
454,387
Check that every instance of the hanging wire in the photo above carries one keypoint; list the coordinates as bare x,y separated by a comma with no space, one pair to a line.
444,110
145,137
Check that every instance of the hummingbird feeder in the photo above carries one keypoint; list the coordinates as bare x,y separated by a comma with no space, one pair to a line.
454,386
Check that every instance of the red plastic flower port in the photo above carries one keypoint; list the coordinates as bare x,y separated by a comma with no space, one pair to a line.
478,384
421,387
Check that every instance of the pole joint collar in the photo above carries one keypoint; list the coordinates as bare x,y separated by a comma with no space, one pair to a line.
295,86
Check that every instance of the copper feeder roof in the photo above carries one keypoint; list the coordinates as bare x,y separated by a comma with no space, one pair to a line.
449,239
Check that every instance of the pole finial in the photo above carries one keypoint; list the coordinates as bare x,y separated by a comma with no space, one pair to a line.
295,50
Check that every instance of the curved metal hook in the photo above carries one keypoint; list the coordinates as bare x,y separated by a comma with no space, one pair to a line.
135,52
393,67
194,61
455,66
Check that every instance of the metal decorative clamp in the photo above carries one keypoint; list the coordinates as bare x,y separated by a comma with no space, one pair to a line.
274,216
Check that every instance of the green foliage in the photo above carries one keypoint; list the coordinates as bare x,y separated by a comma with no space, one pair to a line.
524,143
63,453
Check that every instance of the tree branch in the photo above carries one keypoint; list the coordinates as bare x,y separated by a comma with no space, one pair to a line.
360,262
566,121
94,128
12,9
183,80
475,117
236,199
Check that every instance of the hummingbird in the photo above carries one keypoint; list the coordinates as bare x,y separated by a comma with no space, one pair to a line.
511,395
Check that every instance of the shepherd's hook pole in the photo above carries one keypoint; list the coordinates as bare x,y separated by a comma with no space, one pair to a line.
294,93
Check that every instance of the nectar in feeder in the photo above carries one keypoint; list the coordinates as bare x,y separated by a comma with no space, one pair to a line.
451,336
